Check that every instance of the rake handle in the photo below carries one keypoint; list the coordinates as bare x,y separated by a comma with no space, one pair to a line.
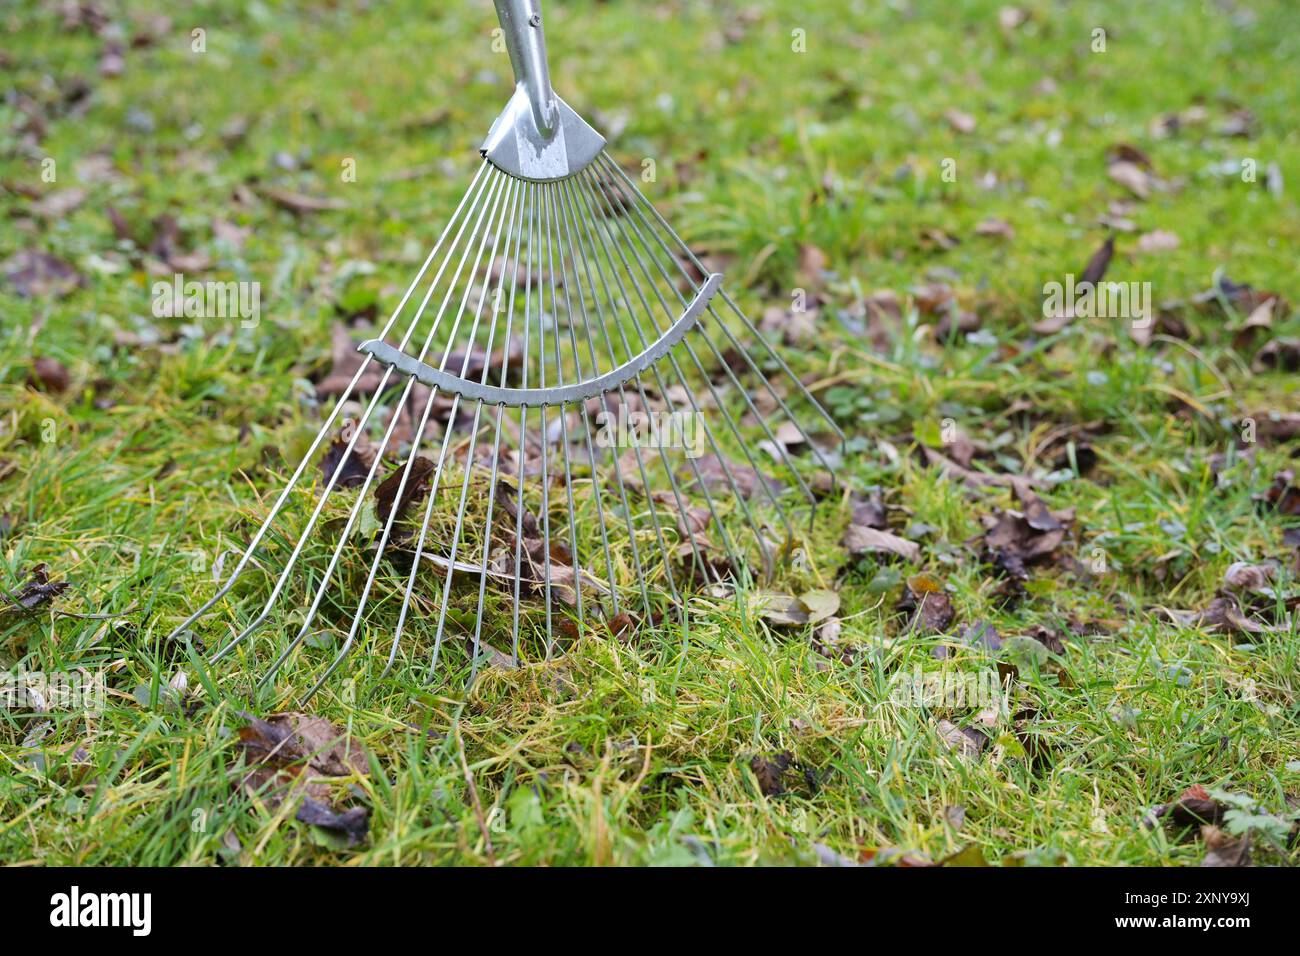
521,24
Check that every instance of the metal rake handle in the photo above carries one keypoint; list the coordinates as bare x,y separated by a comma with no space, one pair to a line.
521,23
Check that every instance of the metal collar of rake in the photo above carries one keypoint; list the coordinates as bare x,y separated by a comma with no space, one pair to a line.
537,137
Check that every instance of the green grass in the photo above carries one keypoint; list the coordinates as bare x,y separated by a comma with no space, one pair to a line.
134,480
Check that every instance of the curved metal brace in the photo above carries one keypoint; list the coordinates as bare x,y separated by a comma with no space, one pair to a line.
556,395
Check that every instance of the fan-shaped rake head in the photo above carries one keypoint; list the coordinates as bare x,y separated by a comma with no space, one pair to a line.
556,429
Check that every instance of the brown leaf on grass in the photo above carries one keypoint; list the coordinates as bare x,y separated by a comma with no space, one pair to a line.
1099,262
961,122
1012,18
789,610
717,475
1132,177
285,751
38,590
59,203
826,641
868,511
298,203
352,824
1222,849
538,564
1255,578
978,479
1049,638
415,488
995,227
1013,540
796,327
33,274
965,742
1194,808
1279,355
810,271
1282,496
1036,513
930,609
1224,615
50,375
350,467
1158,240
859,540
347,360
980,634
771,770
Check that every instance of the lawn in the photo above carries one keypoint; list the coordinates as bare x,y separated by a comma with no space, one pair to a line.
1099,510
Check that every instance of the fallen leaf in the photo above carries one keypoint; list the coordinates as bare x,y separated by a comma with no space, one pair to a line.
1194,808
770,772
1224,850
416,486
1157,241
1132,177
37,591
349,469
299,203
347,361
1099,262
59,203
929,606
861,540
1281,355
718,475
33,274
961,122
966,742
999,228
820,604
352,824
50,375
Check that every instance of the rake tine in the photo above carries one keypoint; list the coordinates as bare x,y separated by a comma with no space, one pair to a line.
363,495
328,427
351,445
717,399
609,164
393,511
517,236
733,553
618,472
446,439
582,406
682,510
548,193
469,459
634,206
636,449
523,423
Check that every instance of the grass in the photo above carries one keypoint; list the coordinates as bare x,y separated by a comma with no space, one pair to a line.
137,479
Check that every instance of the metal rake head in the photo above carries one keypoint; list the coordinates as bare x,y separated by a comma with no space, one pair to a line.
556,428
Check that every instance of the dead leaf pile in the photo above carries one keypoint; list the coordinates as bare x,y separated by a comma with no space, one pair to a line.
284,755
1014,540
